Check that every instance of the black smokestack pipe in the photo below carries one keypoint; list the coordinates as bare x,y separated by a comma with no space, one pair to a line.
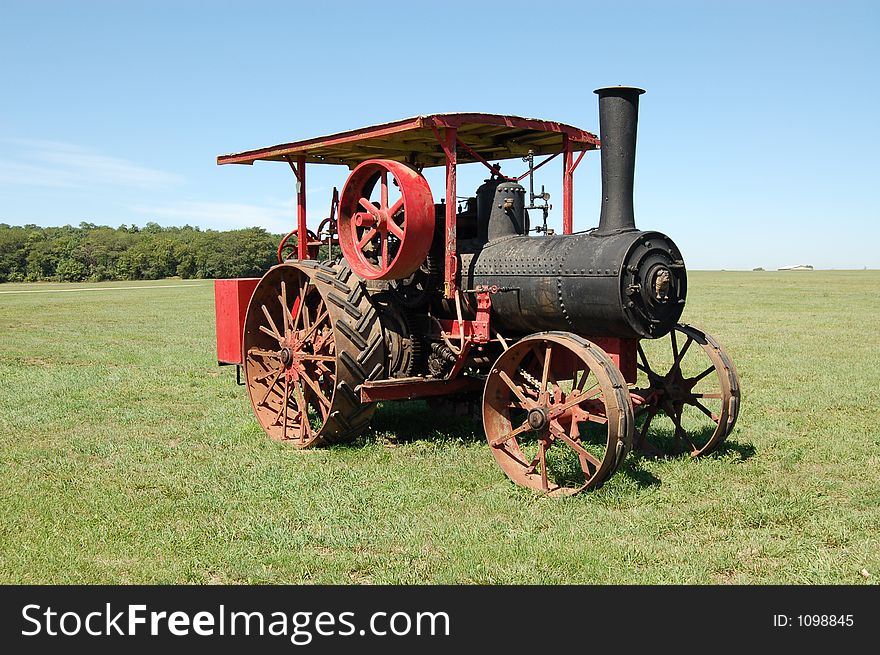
618,120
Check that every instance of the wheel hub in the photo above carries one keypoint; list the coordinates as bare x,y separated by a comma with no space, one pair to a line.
286,357
538,418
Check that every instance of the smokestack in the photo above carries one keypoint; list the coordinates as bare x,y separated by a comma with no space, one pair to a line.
618,120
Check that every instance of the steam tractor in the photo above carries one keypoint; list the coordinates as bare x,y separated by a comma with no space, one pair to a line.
571,342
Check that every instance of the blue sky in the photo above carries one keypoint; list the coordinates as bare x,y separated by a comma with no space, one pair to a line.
758,139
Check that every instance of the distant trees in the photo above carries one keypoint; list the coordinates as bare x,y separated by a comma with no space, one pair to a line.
97,252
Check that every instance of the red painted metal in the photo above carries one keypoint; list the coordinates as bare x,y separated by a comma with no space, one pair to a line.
302,244
357,212
474,331
231,298
485,162
526,174
313,244
484,311
477,330
567,187
299,171
623,352
411,388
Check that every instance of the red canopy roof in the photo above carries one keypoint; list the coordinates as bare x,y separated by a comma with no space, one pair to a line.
414,141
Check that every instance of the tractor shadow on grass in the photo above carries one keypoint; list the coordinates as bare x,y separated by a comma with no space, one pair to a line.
664,440
744,450
407,422
415,420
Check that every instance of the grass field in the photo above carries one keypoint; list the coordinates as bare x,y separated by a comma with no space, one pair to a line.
129,457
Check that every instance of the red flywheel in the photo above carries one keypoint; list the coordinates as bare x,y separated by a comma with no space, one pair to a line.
386,237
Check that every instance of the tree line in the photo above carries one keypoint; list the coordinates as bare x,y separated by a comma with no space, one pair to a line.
92,253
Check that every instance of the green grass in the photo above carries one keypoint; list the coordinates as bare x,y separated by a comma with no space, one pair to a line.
129,457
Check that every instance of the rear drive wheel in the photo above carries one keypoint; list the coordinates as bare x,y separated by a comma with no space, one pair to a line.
311,338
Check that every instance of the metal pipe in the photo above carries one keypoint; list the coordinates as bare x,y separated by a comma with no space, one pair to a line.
618,121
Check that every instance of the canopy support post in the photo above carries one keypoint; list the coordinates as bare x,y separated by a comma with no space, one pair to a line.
302,238
448,142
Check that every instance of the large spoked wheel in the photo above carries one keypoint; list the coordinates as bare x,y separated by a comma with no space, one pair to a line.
687,395
386,220
557,414
311,338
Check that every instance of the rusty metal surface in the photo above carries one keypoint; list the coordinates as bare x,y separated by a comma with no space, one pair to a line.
416,387
304,353
696,386
554,391
450,270
492,136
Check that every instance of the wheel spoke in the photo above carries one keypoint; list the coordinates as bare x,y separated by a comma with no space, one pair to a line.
696,403
369,234
693,381
680,433
306,320
646,367
652,412
271,386
545,373
269,373
303,411
676,364
574,445
323,401
299,306
366,204
583,381
284,400
395,229
263,353
542,453
317,358
315,325
383,203
275,331
288,319
516,390
396,207
525,427
571,401
384,246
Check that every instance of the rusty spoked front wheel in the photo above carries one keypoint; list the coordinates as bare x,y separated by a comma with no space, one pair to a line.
311,338
557,414
687,396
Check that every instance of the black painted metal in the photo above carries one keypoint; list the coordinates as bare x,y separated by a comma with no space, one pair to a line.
485,195
604,286
508,216
618,123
